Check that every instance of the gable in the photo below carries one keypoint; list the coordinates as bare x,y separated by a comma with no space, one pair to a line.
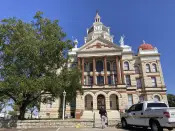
99,44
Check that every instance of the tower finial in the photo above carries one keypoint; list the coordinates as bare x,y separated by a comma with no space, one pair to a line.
122,42
144,42
97,17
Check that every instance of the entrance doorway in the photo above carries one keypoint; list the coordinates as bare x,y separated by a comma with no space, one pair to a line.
114,102
88,102
101,102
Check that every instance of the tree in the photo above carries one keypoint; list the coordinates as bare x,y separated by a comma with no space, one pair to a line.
3,102
171,100
33,107
34,60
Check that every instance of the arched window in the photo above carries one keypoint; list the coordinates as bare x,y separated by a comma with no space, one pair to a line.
126,65
137,70
108,66
86,67
114,66
91,66
154,68
148,68
99,66
156,98
100,80
88,102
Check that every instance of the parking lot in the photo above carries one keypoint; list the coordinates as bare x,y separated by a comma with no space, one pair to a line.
79,129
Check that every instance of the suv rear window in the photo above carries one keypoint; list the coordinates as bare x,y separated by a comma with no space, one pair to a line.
156,105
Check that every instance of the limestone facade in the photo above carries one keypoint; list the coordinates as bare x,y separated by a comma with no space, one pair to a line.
113,76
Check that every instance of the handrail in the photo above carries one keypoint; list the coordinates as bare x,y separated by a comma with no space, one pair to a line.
94,120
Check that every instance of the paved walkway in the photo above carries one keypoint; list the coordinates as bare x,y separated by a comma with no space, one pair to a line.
79,129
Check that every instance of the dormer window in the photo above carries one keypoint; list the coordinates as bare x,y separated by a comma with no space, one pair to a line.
148,68
126,65
154,69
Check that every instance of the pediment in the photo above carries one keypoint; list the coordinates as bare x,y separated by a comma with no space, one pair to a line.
99,45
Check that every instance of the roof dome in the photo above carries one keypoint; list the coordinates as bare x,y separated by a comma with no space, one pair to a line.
146,46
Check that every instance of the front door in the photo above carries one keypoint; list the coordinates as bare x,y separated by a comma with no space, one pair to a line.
101,102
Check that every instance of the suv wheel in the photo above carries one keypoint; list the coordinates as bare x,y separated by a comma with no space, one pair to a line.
155,126
170,129
124,123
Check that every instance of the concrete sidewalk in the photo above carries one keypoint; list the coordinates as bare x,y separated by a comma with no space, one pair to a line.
79,129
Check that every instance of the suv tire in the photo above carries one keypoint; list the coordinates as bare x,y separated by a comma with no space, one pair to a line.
155,126
124,123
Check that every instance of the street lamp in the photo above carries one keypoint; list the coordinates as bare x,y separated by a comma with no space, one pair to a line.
64,95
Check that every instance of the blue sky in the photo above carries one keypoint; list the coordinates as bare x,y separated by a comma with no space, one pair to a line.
149,20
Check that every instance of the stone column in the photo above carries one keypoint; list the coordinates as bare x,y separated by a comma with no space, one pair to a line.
118,70
79,104
79,63
94,76
105,71
94,103
121,67
82,66
107,100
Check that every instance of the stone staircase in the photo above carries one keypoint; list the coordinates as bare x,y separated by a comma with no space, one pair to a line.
88,115
113,115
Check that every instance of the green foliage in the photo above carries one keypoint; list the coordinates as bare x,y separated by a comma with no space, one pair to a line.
12,113
171,100
3,102
33,60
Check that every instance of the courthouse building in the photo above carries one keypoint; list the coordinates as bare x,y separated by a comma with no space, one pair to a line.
113,76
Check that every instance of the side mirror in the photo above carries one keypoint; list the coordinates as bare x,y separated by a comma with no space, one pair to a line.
126,110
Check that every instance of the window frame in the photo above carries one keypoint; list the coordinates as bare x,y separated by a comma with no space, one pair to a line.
99,68
108,69
140,80
130,100
154,83
114,66
154,67
100,84
126,66
156,97
128,80
148,69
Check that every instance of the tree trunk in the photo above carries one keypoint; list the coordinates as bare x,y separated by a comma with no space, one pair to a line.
22,111
31,114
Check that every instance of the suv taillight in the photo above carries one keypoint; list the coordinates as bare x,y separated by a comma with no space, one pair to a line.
167,114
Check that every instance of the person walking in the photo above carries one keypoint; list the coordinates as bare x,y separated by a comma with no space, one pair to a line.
103,115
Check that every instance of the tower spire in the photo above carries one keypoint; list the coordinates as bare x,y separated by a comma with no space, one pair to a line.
97,17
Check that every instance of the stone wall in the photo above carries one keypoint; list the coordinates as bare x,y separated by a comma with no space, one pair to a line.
25,124
32,124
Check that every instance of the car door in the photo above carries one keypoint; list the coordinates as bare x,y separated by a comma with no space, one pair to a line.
139,115
131,115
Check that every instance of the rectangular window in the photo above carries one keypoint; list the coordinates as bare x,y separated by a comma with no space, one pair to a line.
88,80
139,83
100,80
128,80
130,100
115,79
154,83
91,66
109,80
